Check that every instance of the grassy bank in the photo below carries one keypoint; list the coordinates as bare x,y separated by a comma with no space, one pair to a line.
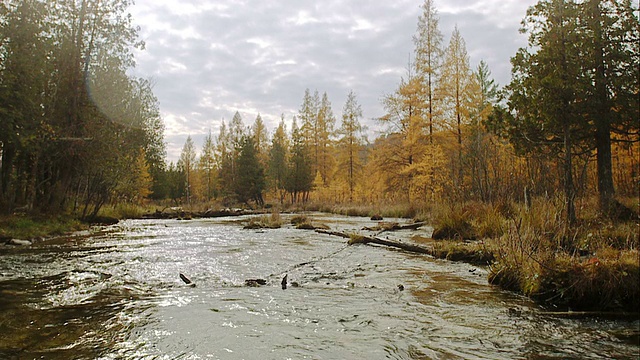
37,226
592,265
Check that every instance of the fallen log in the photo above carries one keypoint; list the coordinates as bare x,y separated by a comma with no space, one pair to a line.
361,239
334,233
394,226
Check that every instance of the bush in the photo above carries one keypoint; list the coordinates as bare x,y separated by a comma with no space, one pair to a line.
452,222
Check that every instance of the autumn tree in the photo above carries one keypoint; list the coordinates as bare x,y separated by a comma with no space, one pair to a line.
458,88
260,139
323,147
187,164
225,154
481,149
350,143
207,166
428,61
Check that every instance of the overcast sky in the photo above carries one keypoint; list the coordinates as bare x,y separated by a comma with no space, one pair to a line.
211,58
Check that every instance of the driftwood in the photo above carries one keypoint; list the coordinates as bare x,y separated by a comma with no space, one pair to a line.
360,239
393,226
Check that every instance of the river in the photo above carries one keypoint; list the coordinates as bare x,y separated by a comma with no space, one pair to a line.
117,294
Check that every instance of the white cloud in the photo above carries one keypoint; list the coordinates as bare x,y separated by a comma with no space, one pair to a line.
210,59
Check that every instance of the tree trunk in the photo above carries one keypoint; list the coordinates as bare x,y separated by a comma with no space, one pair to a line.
569,191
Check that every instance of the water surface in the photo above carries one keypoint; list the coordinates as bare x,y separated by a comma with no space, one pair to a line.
117,295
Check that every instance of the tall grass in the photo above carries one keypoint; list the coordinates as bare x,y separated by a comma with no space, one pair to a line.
593,265
21,227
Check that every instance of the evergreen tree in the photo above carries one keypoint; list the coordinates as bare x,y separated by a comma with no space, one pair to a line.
299,179
278,160
251,180
610,44
544,88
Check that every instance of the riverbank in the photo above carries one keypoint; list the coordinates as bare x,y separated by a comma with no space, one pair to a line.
591,266
33,227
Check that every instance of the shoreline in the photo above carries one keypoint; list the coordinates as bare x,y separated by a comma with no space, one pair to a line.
553,287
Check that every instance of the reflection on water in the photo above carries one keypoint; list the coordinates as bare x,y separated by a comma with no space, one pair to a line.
118,295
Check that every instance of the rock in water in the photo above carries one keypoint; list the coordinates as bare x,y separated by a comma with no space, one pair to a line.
255,282
19,242
185,279
284,282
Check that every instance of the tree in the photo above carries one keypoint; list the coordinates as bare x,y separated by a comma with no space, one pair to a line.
350,142
299,179
458,89
322,142
260,139
489,90
225,158
405,143
251,181
237,132
428,54
278,159
611,64
207,165
481,152
187,164
74,123
544,88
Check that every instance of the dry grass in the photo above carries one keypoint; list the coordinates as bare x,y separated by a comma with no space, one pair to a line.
593,265
271,221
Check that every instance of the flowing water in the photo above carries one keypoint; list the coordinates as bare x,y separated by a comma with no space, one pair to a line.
118,295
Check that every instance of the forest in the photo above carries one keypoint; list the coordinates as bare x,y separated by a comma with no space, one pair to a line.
565,126
78,133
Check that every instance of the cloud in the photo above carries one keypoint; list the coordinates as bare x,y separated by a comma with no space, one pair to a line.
209,59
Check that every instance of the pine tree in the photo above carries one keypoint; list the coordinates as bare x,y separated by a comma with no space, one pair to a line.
251,181
299,179
544,88
610,44
278,160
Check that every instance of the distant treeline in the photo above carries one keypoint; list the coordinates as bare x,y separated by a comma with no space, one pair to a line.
566,124
77,132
